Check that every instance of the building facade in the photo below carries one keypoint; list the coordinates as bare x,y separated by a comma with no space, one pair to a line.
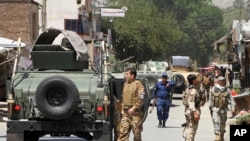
19,19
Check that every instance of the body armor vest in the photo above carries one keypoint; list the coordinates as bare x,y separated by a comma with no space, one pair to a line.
206,81
130,93
199,98
220,98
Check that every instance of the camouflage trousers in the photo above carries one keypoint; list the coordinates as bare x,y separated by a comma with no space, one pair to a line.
191,126
207,91
219,116
129,123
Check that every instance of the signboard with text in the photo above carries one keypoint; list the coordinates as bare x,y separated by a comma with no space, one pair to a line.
111,12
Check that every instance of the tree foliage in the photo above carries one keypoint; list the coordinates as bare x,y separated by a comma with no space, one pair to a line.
158,29
202,23
144,32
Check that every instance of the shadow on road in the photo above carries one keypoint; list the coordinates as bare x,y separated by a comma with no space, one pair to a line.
168,127
174,105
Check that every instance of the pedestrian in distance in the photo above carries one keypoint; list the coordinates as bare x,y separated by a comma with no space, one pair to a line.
132,102
217,74
219,100
162,98
195,99
207,83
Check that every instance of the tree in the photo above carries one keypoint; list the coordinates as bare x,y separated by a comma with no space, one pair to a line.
144,32
201,24
159,29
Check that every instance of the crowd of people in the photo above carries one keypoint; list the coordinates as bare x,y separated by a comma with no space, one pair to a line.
215,91
217,94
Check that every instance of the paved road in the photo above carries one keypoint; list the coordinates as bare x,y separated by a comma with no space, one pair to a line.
174,130
151,132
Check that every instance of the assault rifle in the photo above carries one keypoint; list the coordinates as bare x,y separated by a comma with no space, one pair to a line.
184,126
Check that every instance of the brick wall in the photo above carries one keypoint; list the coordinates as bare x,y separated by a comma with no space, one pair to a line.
19,19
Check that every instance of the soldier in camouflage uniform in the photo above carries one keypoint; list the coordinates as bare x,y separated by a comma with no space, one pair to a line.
196,99
219,99
132,102
207,83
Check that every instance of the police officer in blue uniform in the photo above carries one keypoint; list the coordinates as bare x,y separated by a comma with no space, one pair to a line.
162,97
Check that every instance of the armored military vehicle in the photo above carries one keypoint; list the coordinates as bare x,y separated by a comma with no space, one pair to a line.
181,67
60,96
152,70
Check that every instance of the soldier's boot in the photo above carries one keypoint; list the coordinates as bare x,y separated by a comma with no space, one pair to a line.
160,124
217,137
163,124
222,136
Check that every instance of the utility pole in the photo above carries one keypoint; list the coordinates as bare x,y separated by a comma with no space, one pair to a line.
239,4
44,15
248,9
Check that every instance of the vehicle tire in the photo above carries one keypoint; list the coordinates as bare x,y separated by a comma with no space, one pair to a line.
179,79
57,97
180,89
32,136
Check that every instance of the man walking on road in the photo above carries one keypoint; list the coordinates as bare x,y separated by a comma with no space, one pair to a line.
132,102
162,96
219,99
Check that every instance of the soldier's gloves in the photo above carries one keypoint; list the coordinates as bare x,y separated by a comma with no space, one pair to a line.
196,116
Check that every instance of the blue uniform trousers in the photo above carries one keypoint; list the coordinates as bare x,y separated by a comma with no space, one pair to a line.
163,106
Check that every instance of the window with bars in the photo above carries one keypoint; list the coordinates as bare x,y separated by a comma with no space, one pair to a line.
80,25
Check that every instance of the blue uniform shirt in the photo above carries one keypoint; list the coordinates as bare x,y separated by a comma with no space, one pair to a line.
161,91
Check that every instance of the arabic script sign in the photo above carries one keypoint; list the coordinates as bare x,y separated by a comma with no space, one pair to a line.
108,12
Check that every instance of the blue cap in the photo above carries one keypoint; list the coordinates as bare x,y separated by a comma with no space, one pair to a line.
164,74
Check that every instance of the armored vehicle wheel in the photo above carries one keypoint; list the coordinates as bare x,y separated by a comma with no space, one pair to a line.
180,87
180,79
57,97
32,136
